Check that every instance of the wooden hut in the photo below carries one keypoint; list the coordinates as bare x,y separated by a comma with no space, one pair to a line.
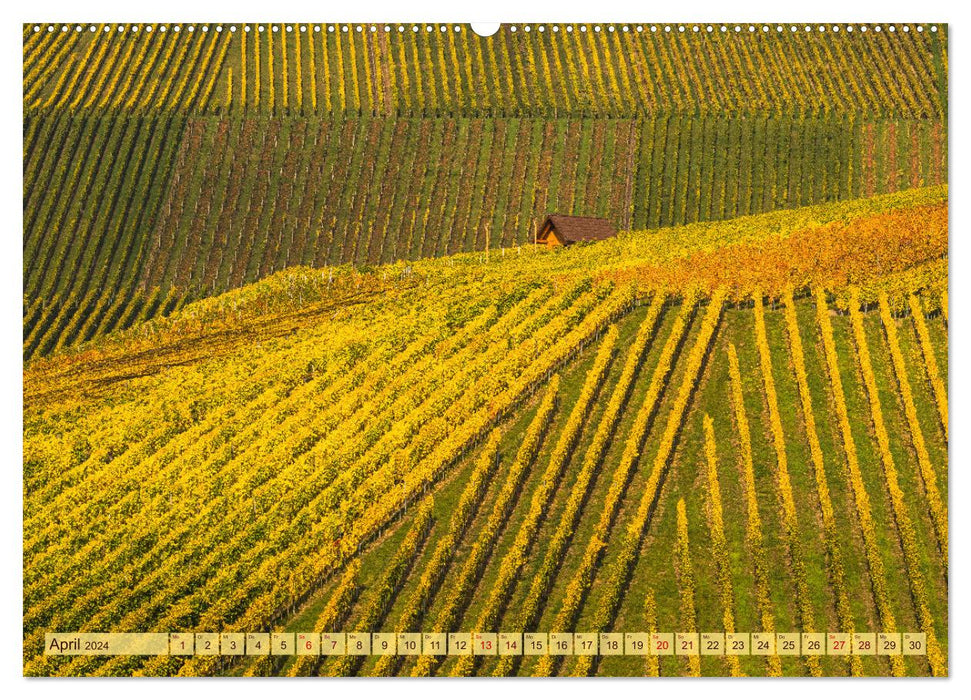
559,229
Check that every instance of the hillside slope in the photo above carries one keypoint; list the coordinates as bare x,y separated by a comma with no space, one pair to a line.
512,440
166,163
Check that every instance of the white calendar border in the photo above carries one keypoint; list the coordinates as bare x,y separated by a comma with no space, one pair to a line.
444,10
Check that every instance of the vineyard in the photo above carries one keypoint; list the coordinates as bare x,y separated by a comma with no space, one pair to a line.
293,363
516,440
166,163
446,69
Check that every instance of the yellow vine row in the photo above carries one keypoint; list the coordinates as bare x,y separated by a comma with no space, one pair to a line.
341,87
686,586
61,61
581,486
110,65
298,61
135,75
110,89
352,67
630,547
332,616
256,70
930,361
719,545
181,62
92,63
242,67
860,495
516,557
632,447
442,453
436,568
754,520
905,526
40,83
213,74
389,584
153,81
837,573
68,71
936,504
457,596
286,72
650,625
269,66
313,72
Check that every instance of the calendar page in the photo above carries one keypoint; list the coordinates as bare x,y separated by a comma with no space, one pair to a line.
441,349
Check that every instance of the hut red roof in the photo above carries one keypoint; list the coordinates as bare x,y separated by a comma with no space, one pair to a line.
575,229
